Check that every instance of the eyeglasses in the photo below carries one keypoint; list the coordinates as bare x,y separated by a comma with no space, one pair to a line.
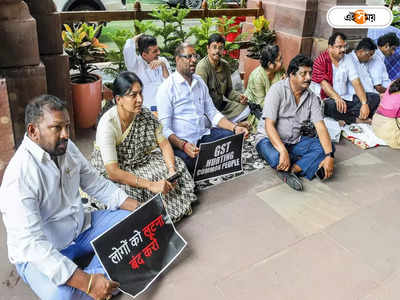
190,56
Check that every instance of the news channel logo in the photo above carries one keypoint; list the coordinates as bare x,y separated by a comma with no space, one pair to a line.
359,17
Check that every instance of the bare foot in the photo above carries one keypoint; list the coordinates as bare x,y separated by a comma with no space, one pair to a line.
366,121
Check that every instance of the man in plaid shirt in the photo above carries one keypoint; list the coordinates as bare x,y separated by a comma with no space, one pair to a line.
392,62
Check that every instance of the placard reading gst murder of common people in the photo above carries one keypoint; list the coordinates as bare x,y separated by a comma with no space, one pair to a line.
138,249
220,157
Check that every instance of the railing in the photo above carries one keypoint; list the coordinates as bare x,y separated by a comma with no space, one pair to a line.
138,14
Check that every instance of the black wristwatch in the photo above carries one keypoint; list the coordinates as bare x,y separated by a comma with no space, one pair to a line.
330,154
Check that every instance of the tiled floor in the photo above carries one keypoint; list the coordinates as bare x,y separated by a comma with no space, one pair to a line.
254,238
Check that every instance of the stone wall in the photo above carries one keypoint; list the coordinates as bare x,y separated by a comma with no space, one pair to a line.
20,61
6,131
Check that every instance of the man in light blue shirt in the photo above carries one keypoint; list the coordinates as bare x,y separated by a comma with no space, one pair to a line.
387,45
184,105
47,227
347,100
361,57
392,62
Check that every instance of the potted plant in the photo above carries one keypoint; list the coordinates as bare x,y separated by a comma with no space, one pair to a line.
115,59
262,36
84,49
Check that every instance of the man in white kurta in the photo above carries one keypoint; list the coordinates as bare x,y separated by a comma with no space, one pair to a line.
151,68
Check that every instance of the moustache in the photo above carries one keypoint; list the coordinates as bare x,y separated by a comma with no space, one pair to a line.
308,82
63,142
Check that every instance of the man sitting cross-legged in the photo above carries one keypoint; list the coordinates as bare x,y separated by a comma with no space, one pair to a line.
344,95
184,104
281,139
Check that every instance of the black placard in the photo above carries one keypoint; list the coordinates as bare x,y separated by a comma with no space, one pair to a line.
138,249
220,157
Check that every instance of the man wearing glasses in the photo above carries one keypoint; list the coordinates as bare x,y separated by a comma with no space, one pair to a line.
341,88
184,104
216,73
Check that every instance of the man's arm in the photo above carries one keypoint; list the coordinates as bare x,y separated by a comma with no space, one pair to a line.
325,140
187,147
275,139
331,93
95,285
226,124
230,93
160,63
130,56
360,92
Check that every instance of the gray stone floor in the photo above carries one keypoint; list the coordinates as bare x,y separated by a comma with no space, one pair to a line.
254,238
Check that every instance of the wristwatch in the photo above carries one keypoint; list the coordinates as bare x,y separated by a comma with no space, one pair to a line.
330,154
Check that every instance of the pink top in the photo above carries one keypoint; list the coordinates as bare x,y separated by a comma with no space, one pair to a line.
390,105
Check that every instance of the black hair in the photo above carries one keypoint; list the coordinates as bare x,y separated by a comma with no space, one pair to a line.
298,61
395,86
268,55
333,37
123,83
181,47
144,42
34,109
366,44
215,38
388,38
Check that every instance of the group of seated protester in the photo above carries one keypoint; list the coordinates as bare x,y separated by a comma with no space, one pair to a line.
137,150
197,104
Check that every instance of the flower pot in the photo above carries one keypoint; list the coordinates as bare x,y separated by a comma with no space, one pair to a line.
86,99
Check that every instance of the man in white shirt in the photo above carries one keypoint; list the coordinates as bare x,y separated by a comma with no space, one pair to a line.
361,57
387,45
151,68
347,100
47,227
184,103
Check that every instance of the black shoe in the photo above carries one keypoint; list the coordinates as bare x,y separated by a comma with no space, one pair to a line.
291,180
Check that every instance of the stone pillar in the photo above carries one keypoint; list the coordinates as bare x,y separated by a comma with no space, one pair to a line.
49,29
323,31
19,61
294,23
6,131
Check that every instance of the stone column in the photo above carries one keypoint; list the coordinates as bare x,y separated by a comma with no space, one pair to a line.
19,61
323,31
49,29
6,131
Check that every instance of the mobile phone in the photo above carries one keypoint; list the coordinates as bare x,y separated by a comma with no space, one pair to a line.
174,177
321,173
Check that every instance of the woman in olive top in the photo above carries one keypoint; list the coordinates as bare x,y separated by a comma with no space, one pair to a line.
261,79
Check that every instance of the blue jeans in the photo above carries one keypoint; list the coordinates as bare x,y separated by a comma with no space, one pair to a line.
307,154
44,288
215,134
